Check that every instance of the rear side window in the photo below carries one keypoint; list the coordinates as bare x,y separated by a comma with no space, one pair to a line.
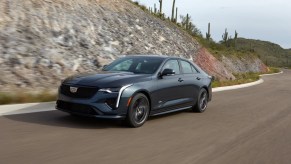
186,66
172,64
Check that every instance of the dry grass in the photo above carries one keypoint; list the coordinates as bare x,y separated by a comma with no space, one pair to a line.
13,98
243,78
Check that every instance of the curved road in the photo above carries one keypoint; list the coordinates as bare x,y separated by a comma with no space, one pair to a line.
250,125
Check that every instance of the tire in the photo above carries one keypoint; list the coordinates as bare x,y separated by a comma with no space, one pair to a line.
138,111
202,101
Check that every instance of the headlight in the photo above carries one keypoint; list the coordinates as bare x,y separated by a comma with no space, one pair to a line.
115,90
109,90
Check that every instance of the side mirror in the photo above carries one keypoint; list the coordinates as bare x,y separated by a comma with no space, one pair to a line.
168,72
104,67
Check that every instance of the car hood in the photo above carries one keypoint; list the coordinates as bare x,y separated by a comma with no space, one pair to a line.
104,79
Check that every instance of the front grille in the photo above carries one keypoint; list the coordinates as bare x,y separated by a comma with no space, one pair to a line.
76,108
82,92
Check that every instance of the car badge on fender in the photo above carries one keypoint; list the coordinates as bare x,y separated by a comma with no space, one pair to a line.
73,89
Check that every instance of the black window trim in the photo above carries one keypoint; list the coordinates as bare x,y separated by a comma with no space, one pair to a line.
197,71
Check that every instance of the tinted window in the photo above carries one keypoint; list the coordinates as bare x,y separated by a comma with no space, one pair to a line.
122,66
172,64
138,65
186,66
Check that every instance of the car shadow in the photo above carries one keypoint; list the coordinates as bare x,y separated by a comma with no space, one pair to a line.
60,119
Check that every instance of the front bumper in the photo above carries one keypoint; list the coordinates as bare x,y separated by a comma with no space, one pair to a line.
91,115
96,106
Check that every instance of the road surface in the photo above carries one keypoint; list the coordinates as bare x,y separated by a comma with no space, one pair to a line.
249,125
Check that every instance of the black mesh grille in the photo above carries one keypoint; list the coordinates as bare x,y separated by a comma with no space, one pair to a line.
76,108
82,92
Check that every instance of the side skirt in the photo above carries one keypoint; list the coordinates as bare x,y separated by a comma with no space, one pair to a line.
171,111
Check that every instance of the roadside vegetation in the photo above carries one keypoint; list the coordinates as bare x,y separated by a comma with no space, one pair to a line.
8,98
243,78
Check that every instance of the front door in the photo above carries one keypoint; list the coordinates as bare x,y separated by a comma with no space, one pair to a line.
168,93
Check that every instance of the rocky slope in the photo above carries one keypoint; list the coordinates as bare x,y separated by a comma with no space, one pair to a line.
43,41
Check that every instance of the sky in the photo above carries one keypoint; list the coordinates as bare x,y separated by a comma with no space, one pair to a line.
268,20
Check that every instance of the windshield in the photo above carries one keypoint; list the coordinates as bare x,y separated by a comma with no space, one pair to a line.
138,65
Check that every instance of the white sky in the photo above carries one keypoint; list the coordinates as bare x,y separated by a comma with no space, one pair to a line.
268,20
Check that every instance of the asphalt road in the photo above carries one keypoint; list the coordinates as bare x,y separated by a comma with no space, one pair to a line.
250,125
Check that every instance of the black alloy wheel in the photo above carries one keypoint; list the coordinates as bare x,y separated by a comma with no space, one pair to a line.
138,111
202,101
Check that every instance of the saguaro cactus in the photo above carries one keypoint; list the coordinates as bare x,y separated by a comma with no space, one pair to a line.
155,8
173,11
161,7
176,18
235,35
225,36
187,22
235,38
208,35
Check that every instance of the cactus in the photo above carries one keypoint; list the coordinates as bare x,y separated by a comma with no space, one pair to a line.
173,11
225,36
161,7
235,35
187,22
235,38
176,18
155,8
208,35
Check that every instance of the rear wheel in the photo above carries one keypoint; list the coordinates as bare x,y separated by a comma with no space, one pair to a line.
138,110
202,101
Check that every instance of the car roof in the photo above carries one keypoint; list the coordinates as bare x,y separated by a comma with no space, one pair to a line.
156,56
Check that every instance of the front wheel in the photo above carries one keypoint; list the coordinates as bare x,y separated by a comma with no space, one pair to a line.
138,110
202,101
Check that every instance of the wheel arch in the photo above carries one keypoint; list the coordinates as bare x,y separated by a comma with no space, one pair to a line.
146,93
207,90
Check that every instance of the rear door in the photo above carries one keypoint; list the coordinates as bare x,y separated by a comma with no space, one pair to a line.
191,82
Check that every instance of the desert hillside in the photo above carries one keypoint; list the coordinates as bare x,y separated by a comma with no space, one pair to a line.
271,53
43,41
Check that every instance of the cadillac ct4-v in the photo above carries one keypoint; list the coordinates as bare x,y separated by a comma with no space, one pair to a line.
136,87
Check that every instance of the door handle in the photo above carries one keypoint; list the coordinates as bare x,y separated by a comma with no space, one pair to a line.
198,78
180,80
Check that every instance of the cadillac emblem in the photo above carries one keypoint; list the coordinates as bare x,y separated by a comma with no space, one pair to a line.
73,89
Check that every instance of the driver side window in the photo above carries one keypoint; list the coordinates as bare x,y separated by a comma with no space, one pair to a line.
172,64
